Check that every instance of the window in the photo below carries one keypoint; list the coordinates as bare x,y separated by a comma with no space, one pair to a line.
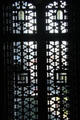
59,15
57,61
37,60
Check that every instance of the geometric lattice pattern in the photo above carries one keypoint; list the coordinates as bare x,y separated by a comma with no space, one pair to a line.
57,80
20,18
22,80
56,17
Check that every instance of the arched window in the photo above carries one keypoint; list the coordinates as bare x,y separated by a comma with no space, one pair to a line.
59,15
20,18
21,15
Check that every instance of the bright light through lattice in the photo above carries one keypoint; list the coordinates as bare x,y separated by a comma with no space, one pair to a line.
21,18
56,13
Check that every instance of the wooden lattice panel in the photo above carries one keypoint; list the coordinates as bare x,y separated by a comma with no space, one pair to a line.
57,80
22,66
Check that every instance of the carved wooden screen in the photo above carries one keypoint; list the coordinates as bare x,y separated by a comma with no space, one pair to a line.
22,59
21,63
57,61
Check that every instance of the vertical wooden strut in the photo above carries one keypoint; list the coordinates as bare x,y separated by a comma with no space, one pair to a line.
42,80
